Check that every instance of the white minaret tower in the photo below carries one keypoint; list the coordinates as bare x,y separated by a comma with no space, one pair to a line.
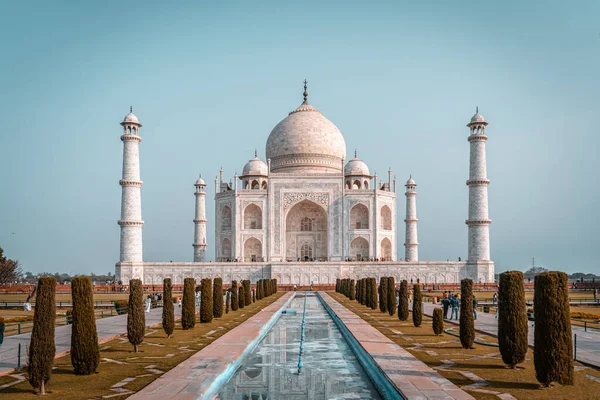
200,221
131,199
411,245
478,222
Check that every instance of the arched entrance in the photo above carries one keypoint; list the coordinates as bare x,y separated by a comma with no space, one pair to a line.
359,249
306,232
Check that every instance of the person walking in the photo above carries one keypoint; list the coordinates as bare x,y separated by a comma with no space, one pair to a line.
494,298
454,305
595,295
445,305
474,307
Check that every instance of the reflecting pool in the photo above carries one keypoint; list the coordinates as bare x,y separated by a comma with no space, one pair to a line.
330,369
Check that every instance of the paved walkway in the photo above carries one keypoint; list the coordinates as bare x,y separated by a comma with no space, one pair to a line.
588,343
193,378
108,328
409,375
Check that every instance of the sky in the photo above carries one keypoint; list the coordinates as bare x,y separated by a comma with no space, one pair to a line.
210,79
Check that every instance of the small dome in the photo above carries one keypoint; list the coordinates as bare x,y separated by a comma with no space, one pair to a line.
200,181
410,182
131,118
477,118
255,167
356,166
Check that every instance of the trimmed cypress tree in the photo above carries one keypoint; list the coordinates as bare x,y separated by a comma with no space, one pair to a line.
467,324
259,294
391,297
247,292
368,292
383,294
275,285
241,297
85,354
553,343
41,347
264,288
168,311
438,321
206,301
136,320
417,311
188,310
227,301
373,293
403,301
217,298
337,285
363,291
253,295
352,290
512,318
234,296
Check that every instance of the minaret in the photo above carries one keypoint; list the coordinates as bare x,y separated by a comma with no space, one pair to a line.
131,200
478,222
200,221
411,244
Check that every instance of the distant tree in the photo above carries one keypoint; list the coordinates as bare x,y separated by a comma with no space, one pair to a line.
403,301
10,270
533,271
553,343
438,321
136,320
188,309
218,298
241,297
234,296
512,318
467,323
206,301
168,311
383,294
85,354
41,347
391,297
417,311
352,290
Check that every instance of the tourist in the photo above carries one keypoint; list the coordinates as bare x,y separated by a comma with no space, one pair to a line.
454,304
295,287
474,307
148,304
445,305
494,298
595,295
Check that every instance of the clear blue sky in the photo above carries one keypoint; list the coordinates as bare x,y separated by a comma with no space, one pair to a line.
209,80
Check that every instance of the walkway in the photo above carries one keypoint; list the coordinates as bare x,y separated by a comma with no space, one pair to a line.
107,328
588,343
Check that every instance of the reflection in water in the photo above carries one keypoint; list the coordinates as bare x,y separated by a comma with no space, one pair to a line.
330,370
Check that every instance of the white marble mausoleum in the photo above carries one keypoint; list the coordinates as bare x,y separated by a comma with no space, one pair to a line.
306,215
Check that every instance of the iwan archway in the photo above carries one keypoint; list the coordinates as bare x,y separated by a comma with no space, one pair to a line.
306,232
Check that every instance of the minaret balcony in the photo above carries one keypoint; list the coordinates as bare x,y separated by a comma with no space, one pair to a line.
128,137
478,222
130,223
477,138
476,182
127,182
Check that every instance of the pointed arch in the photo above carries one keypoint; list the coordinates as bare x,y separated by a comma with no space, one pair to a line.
386,218
359,217
253,250
386,249
226,218
359,249
252,217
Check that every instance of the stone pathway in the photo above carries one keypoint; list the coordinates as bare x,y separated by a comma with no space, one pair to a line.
409,375
108,329
588,343
194,377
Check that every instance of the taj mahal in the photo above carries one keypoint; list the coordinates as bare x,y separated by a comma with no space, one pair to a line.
306,215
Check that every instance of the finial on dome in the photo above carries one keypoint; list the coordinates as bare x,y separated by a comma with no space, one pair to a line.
355,154
305,94
130,109
476,109
255,153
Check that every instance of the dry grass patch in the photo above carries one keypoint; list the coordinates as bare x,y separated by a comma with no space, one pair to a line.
445,354
119,362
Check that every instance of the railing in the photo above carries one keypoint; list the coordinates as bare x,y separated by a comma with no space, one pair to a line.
59,304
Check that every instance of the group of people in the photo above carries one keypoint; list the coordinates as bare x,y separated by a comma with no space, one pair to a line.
452,301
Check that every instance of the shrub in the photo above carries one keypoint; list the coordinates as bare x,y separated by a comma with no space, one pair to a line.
188,310
85,354
352,290
553,343
417,311
206,301
241,297
391,297
136,320
403,301
121,306
383,294
41,347
512,318
373,293
438,321
234,296
168,311
247,292
227,301
467,324
217,298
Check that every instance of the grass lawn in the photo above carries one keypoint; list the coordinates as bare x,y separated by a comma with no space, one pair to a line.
484,361
158,355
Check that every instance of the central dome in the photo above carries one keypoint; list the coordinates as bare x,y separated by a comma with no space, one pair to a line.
306,141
